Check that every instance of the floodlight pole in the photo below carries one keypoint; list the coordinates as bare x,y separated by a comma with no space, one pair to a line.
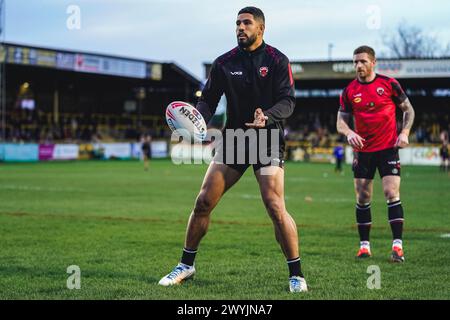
330,51
2,71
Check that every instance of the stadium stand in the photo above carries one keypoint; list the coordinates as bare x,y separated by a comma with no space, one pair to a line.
59,96
65,96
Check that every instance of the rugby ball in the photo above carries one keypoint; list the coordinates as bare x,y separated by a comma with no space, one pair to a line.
186,121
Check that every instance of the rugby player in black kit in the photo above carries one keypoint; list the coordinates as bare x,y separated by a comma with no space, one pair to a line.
257,81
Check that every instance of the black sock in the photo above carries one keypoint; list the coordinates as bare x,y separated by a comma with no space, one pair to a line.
364,221
295,269
395,214
188,256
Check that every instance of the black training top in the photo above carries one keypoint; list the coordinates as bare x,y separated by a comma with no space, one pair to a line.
261,78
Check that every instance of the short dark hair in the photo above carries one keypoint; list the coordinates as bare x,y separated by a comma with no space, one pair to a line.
256,12
365,49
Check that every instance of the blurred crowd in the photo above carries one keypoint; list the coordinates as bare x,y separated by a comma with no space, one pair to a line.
316,129
24,125
319,129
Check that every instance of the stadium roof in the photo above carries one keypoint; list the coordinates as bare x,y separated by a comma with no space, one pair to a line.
397,68
87,62
343,69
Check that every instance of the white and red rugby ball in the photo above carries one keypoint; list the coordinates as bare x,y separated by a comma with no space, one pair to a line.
183,119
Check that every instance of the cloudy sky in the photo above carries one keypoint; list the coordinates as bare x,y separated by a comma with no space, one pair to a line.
190,32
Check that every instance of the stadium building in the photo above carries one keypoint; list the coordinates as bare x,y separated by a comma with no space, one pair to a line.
54,94
61,96
311,130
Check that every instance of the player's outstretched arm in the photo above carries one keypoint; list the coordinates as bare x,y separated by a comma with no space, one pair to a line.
408,120
211,93
353,138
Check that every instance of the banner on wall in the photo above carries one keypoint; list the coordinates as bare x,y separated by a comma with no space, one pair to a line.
396,68
58,152
112,150
323,155
136,151
191,153
80,62
28,152
65,152
426,156
159,150
309,154
348,155
2,152
107,65
85,151
46,152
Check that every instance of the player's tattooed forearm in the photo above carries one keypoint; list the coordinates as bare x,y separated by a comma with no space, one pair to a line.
408,114
408,119
344,116
342,123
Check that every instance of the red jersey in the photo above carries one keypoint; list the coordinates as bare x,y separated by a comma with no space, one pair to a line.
373,107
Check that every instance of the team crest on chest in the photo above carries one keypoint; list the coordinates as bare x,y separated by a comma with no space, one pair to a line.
263,71
380,91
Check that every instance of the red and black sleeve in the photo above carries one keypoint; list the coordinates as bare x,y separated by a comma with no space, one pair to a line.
398,95
345,105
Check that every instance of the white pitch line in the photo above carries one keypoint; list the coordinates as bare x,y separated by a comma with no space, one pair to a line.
35,188
337,199
250,196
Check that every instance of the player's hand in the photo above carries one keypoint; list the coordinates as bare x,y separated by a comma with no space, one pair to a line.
402,140
355,140
260,119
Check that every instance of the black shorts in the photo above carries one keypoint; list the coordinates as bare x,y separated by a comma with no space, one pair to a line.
147,153
240,157
278,162
365,163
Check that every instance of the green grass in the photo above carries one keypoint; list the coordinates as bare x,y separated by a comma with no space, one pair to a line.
125,229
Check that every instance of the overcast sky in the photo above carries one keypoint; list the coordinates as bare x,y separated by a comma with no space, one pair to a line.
191,32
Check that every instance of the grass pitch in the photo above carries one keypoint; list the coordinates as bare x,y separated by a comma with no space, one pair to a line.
125,228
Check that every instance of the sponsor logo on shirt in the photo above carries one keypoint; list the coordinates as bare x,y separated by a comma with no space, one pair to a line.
380,91
357,100
236,73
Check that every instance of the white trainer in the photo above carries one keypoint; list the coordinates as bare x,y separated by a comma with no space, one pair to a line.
180,273
297,284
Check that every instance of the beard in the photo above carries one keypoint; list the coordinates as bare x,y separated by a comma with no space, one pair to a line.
363,72
244,44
